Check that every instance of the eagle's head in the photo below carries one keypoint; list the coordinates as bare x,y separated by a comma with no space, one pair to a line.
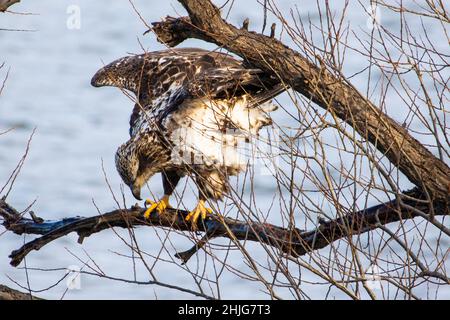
138,160
123,73
127,164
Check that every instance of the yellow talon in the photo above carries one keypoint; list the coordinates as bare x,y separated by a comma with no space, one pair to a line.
200,210
160,206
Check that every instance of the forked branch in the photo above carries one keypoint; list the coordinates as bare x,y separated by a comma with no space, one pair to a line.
328,90
292,242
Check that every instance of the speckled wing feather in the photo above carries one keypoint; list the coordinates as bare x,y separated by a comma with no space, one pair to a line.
193,109
162,80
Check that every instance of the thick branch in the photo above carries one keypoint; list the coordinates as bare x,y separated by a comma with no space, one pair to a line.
316,83
5,4
7,293
294,242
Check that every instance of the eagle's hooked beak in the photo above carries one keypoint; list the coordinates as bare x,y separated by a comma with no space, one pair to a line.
136,191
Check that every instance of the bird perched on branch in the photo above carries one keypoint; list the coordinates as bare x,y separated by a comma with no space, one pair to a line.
192,107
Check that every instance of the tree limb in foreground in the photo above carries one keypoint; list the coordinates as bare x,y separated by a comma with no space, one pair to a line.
5,4
329,91
7,293
292,242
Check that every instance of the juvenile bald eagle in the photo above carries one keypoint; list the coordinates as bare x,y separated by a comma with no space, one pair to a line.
191,108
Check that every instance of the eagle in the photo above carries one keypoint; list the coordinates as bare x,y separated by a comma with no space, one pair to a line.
192,109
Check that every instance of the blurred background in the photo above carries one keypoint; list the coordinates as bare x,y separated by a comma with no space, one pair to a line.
78,129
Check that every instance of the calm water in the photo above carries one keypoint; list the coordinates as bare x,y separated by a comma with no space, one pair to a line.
78,130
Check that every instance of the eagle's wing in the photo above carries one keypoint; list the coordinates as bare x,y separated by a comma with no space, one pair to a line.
190,99
162,80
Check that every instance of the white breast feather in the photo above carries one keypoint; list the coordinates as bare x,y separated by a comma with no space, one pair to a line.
198,139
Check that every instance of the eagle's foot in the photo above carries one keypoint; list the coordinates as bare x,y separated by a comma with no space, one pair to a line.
160,206
200,210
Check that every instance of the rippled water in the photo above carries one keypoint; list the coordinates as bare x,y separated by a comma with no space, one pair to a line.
78,129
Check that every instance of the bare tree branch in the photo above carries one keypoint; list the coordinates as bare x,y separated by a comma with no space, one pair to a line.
5,4
329,91
7,293
294,242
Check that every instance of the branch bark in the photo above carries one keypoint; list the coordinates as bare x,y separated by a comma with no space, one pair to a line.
7,293
5,4
292,242
330,92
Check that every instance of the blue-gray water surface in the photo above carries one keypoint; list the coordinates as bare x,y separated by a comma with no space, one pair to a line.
78,129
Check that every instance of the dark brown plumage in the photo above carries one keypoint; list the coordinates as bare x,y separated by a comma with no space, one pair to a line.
192,108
